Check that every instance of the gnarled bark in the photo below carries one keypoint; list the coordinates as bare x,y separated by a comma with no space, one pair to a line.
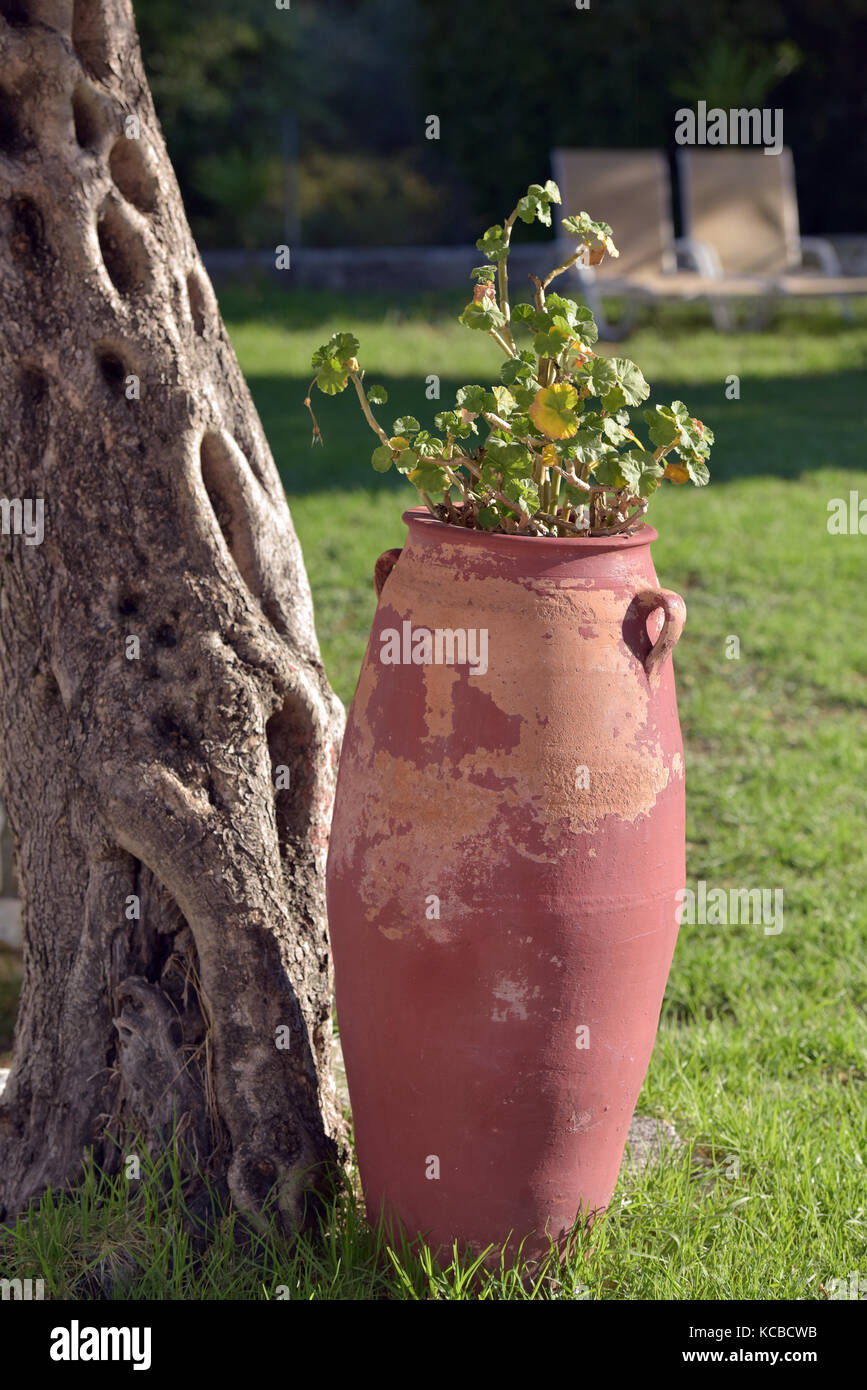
158,664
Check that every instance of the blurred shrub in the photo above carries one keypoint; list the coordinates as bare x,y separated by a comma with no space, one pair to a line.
508,80
382,200
246,197
727,74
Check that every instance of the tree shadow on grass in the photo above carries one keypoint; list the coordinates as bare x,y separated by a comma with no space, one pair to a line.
781,427
265,301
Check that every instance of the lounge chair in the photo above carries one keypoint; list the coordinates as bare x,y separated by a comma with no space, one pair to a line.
741,205
631,190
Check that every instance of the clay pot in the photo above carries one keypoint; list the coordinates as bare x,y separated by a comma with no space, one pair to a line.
506,854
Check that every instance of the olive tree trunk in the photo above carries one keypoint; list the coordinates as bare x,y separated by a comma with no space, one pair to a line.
168,739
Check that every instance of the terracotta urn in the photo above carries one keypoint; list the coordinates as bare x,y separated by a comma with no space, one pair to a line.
506,856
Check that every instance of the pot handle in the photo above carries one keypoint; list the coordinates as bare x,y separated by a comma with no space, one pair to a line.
674,609
383,568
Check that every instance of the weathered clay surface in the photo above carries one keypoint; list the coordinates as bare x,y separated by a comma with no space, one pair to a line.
488,899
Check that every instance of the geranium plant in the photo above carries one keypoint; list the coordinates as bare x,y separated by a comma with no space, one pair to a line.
549,450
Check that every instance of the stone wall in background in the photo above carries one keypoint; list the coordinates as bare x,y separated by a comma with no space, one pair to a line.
393,268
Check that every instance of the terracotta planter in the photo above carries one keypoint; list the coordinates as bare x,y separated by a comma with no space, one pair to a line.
506,853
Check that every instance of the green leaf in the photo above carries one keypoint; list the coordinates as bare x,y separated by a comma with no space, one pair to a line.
696,434
506,458
475,399
617,433
427,445
450,422
331,377
406,461
447,421
541,319
593,234
674,426
664,425
340,347
631,388
698,471
565,308
522,424
525,395
346,345
591,420
522,490
406,424
552,343
485,274
505,401
601,376
382,458
484,316
518,369
536,202
321,355
493,245
527,208
377,395
584,326
428,477
606,471
509,466
642,475
589,446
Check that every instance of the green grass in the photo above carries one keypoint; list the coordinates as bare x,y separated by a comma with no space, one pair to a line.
760,1061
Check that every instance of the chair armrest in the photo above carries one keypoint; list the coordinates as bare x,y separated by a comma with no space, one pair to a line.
700,255
823,252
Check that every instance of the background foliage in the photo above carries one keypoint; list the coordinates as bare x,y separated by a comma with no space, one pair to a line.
507,81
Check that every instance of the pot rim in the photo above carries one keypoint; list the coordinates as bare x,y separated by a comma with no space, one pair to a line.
420,516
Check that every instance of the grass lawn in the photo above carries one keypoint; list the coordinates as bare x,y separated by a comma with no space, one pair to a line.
760,1061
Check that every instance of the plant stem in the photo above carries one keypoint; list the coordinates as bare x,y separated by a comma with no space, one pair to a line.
454,478
500,496
503,279
495,420
509,350
559,521
317,433
571,478
558,270
365,406
547,369
621,526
